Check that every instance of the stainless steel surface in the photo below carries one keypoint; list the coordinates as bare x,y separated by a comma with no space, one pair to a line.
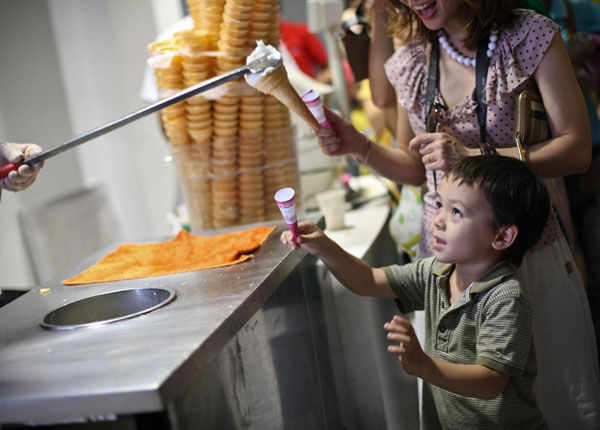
107,308
255,66
271,343
155,362
275,373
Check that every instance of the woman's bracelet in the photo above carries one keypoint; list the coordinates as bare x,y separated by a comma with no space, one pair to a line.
366,159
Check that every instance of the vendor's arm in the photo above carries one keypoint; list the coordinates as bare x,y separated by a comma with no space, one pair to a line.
569,150
400,164
352,272
471,380
381,48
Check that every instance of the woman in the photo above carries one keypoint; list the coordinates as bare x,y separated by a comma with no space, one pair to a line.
522,50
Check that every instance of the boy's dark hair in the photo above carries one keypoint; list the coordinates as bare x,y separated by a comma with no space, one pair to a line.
517,197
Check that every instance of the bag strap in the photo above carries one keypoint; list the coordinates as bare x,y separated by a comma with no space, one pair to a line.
432,77
481,69
360,8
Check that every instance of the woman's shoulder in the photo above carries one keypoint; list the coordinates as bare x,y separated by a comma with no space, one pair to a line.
519,52
528,27
406,57
406,70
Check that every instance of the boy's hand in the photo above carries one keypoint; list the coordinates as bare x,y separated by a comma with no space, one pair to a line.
408,349
311,238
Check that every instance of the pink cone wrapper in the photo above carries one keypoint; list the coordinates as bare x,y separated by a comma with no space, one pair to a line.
312,99
286,200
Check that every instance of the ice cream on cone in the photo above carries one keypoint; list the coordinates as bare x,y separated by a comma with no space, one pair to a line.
276,83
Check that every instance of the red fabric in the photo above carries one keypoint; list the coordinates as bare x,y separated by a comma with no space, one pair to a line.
305,47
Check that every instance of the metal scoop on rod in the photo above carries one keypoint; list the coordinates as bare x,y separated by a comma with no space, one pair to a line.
257,65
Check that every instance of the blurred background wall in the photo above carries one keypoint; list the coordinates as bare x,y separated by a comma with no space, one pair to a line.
67,66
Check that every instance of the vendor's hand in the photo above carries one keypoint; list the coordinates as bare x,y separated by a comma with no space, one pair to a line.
310,238
406,345
342,139
15,153
438,150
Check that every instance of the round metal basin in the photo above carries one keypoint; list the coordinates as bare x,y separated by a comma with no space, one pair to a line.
107,308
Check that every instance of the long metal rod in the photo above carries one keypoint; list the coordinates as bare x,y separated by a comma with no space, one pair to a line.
175,98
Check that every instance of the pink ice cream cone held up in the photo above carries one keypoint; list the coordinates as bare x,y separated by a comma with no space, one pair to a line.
286,200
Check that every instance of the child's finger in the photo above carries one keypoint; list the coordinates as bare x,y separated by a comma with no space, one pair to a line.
284,237
394,327
397,349
401,321
398,337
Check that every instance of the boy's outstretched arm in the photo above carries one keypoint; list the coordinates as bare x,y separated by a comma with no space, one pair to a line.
352,272
470,380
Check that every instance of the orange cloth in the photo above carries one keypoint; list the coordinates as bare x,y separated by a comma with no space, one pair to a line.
184,253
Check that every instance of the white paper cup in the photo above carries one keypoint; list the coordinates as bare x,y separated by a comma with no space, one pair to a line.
332,206
312,100
286,200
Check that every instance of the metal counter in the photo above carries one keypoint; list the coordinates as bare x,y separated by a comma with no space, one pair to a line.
271,343
242,346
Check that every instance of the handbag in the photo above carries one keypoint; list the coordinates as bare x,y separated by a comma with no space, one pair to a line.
357,44
531,124
531,127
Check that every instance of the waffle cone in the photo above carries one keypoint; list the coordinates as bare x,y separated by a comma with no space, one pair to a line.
277,84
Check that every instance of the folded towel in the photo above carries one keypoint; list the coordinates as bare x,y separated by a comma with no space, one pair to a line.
184,253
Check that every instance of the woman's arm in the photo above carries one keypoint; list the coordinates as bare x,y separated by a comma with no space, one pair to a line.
381,48
569,150
400,164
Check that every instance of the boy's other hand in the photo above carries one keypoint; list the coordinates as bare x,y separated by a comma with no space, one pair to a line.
408,348
311,238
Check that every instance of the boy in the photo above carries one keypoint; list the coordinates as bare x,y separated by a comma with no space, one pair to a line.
478,363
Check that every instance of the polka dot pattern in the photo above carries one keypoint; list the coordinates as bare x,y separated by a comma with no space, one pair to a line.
519,52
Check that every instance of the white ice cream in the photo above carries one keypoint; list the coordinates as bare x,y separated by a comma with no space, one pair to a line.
261,49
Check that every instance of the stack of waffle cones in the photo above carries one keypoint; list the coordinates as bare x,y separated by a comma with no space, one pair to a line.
232,151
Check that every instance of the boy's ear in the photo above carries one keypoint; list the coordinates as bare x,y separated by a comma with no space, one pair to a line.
505,237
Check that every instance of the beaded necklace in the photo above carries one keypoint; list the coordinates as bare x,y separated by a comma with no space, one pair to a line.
463,59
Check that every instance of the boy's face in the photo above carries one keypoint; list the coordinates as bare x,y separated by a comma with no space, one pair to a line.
462,226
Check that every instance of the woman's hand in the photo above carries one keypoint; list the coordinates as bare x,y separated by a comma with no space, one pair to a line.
342,139
15,153
408,349
439,150
310,238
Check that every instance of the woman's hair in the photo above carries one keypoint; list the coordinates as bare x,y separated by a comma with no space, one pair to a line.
481,15
516,195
